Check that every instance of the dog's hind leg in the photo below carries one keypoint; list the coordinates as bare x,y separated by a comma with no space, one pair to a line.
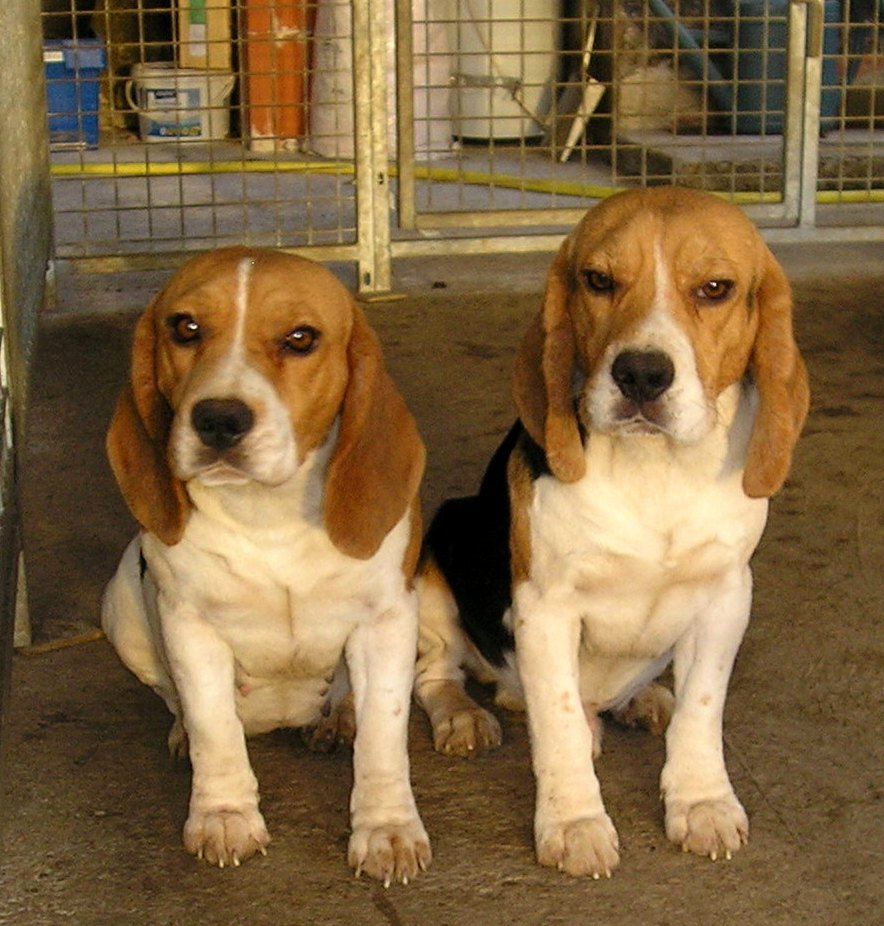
651,709
338,723
128,618
460,726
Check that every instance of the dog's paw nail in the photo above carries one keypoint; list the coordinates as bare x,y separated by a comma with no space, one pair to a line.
608,873
387,881
263,851
235,860
595,876
220,862
713,856
728,855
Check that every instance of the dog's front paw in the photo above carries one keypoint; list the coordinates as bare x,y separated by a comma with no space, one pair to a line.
466,732
391,852
226,837
716,828
588,846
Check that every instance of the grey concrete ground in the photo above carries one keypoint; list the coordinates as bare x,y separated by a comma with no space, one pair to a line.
94,808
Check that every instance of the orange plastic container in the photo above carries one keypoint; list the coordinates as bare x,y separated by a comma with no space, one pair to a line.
275,54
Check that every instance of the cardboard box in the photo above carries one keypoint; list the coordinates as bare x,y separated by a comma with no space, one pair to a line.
204,34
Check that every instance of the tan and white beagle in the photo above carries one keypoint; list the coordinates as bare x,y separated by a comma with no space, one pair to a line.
660,394
274,470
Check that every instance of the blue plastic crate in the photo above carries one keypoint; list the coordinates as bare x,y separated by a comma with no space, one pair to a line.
73,68
761,39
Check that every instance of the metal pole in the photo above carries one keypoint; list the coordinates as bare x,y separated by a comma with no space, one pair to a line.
405,113
793,127
813,79
370,67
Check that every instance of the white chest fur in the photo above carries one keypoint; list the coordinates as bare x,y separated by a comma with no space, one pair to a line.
257,567
639,545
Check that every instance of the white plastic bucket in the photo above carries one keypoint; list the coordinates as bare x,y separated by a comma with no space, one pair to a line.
332,128
507,58
180,103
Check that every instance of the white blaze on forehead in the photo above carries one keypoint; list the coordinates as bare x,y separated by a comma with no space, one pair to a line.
685,413
663,284
268,453
243,276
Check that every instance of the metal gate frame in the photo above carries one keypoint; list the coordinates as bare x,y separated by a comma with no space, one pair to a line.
792,218
371,248
25,249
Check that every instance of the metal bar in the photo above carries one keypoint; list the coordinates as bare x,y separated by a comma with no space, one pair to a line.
363,125
752,203
499,218
813,79
793,139
799,234
370,120
381,193
437,247
405,114
331,253
527,244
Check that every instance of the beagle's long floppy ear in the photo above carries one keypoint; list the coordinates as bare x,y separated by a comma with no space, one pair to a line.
378,462
136,445
543,385
781,379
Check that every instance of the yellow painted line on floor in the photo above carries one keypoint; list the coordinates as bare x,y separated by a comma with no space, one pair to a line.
196,168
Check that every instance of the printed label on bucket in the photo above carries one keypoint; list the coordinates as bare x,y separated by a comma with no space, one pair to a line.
184,128
171,98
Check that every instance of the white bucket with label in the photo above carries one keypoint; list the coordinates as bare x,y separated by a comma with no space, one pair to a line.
180,103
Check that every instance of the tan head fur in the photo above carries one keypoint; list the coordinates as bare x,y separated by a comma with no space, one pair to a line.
280,336
664,270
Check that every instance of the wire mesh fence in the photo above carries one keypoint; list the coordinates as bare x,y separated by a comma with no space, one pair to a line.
178,125
851,162
185,125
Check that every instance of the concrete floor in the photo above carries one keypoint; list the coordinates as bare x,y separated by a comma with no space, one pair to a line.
94,808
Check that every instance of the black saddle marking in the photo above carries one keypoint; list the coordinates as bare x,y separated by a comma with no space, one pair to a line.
469,539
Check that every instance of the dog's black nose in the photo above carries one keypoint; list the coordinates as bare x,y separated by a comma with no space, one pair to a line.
643,375
221,423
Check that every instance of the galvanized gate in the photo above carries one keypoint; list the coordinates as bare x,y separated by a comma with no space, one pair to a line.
25,244
487,125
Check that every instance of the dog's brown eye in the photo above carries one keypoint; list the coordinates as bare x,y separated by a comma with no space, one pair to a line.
715,290
185,329
598,282
301,341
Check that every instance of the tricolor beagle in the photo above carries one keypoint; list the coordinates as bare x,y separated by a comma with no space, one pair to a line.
660,394
274,470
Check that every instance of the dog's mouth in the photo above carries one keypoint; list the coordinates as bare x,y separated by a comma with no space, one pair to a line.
221,472
634,418
236,467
